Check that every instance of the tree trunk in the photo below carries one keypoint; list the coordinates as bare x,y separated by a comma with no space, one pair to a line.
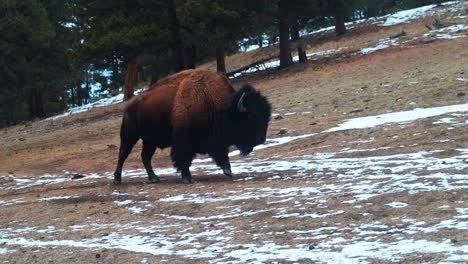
392,3
73,99
177,45
131,77
220,57
79,94
260,41
87,91
115,75
285,49
154,78
191,55
296,37
340,27
36,105
63,99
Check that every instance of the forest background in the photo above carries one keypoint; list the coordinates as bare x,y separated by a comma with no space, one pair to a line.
56,54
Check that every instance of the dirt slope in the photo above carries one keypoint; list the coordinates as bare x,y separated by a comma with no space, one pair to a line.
389,80
392,193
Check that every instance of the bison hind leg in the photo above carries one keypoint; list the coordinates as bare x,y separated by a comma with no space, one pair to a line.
126,145
128,139
146,154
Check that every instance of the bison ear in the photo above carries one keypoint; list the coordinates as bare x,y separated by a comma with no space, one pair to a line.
240,105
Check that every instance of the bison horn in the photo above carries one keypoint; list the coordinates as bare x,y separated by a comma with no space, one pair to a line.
240,104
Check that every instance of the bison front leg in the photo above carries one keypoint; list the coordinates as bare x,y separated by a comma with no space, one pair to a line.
186,176
182,159
146,154
221,159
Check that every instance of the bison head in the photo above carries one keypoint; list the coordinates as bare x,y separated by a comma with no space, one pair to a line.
249,113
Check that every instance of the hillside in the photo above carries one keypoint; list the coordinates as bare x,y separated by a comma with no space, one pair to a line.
327,187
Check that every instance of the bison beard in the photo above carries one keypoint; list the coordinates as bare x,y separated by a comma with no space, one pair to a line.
192,112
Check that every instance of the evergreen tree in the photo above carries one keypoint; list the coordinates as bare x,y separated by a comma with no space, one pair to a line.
288,15
59,52
340,10
24,47
283,27
123,29
59,58
214,27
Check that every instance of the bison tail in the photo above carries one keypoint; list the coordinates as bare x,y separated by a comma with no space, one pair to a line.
128,129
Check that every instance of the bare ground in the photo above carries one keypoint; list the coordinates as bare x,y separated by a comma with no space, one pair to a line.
392,193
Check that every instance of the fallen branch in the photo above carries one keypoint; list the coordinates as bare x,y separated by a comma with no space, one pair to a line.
254,64
430,27
398,34
439,24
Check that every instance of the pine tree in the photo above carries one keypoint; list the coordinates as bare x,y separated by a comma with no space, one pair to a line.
288,15
124,29
26,36
283,26
214,27
340,10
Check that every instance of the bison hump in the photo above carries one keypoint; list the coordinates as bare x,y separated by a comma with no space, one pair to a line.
202,98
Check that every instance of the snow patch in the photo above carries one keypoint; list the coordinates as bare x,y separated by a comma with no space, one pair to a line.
100,103
58,198
452,32
406,16
382,44
397,117
126,202
397,204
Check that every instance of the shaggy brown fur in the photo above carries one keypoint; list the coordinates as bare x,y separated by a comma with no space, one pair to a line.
191,112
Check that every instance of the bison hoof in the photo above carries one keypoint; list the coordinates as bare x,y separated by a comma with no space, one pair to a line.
117,182
187,181
154,179
227,172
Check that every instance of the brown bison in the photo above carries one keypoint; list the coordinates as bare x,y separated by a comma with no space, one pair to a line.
192,112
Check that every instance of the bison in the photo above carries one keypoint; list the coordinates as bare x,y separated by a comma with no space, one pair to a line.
193,111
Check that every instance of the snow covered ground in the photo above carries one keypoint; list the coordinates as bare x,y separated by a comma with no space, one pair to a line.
399,117
407,16
448,32
401,17
354,204
103,102
100,103
342,195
